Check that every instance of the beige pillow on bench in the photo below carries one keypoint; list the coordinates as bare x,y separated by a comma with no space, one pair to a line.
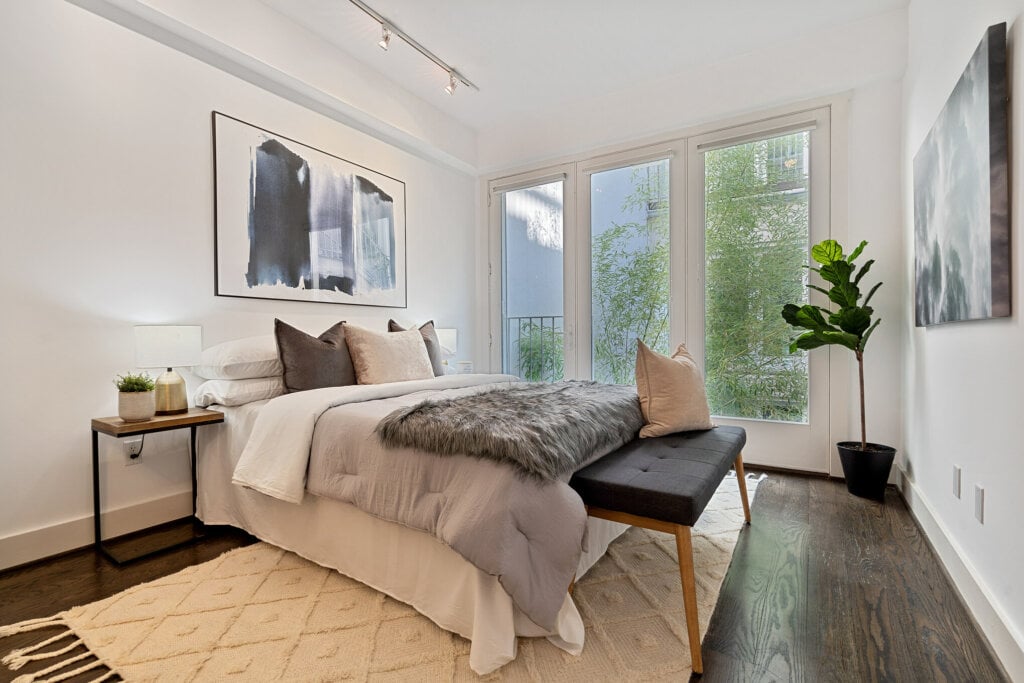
671,391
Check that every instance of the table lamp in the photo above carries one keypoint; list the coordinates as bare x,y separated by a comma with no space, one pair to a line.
169,346
448,338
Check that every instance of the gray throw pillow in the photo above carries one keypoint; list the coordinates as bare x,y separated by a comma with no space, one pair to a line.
430,339
314,362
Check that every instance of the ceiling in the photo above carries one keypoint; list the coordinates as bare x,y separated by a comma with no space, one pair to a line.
533,56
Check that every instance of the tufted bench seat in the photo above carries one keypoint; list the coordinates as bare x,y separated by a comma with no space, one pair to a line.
664,484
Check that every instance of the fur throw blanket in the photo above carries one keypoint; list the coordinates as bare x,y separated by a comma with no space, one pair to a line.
545,431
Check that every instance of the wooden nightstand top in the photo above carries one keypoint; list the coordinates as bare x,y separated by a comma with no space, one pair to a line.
115,426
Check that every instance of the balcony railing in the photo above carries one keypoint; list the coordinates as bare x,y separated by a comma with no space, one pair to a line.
533,347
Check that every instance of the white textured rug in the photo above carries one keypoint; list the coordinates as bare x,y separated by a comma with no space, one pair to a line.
260,613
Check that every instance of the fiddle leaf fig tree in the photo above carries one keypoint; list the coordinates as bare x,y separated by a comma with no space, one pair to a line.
850,323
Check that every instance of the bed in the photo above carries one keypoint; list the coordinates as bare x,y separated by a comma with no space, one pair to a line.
409,564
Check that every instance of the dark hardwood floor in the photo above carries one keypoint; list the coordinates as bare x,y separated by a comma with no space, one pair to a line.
823,587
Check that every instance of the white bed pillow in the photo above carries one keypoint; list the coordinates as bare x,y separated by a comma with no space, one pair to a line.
246,358
238,392
380,357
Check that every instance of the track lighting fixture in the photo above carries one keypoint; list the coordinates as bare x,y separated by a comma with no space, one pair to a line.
387,29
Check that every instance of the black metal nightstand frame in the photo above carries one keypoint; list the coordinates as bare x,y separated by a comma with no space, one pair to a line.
192,420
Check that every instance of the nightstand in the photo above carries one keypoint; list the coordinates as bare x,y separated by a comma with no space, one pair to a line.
118,428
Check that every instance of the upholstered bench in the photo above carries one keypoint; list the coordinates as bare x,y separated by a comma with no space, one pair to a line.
664,484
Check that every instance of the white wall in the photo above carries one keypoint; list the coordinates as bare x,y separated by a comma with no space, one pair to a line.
106,211
253,41
823,63
873,214
963,403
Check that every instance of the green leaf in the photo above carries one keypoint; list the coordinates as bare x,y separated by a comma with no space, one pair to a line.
836,337
867,335
836,272
806,342
872,293
820,289
827,252
857,251
853,320
844,294
789,312
863,271
810,317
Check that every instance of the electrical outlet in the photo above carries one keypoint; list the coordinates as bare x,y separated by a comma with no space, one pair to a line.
132,451
957,478
979,503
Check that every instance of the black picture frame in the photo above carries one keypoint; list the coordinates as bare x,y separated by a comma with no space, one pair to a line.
294,222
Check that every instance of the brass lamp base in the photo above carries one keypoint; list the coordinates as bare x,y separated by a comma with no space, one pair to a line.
171,398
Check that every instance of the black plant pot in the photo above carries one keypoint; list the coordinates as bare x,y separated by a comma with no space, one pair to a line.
866,472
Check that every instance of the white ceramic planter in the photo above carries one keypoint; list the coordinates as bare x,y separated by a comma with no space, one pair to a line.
136,406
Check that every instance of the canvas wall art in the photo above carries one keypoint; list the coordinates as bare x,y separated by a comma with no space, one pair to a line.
294,222
961,200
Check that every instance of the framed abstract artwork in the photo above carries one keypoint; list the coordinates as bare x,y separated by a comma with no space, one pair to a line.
961,197
295,222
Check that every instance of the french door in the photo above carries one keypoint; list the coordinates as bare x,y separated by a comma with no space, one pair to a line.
628,207
533,338
701,241
758,198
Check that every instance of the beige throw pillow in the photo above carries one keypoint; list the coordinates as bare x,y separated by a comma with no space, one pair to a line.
380,357
431,341
671,391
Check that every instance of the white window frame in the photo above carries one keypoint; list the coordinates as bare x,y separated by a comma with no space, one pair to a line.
675,152
495,189
576,216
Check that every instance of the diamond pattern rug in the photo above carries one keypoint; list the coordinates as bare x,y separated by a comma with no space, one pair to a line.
260,613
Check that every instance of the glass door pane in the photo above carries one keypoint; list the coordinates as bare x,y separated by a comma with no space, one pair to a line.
533,346
629,237
757,227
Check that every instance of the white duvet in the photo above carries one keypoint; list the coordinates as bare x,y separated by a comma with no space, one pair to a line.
275,460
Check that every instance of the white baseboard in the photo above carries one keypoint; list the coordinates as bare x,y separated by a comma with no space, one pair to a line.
52,540
1005,640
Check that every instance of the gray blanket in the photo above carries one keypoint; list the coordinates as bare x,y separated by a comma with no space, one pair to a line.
527,532
545,431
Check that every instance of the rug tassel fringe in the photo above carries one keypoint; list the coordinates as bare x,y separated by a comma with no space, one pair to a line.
37,677
34,678
19,658
31,625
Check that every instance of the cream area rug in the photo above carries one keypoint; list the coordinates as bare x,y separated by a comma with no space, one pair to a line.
260,613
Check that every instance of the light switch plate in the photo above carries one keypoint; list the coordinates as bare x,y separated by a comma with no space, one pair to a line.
957,478
979,502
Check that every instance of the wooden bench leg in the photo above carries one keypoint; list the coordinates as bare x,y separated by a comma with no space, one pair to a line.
684,547
741,479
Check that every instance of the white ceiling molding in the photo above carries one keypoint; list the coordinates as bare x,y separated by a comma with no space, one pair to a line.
145,20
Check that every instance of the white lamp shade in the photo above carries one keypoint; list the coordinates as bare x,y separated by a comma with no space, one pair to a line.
168,346
449,340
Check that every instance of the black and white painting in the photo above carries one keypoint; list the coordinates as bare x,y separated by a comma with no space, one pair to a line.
961,202
294,222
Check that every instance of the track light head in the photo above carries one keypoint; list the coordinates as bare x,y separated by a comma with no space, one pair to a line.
388,29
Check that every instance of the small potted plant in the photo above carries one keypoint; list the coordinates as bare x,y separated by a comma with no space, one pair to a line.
136,401
865,465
